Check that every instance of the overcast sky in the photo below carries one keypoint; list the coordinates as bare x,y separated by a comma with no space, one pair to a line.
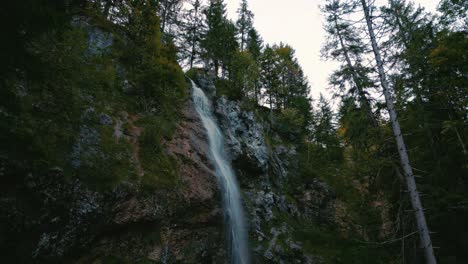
299,24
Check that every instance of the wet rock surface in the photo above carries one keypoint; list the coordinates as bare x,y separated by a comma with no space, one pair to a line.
244,135
264,171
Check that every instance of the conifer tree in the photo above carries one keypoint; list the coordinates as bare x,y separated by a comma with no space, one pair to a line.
244,24
219,41
324,132
402,149
345,44
254,44
455,14
269,75
192,33
169,13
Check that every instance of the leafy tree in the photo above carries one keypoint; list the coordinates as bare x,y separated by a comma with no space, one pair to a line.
244,74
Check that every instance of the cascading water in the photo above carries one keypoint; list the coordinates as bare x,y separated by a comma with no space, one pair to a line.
234,216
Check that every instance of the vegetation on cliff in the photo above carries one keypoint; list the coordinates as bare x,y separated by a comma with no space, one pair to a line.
92,91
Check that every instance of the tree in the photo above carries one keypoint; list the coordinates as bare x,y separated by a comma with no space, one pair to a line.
169,11
219,42
269,75
244,24
293,83
345,45
455,13
254,47
192,33
324,133
402,150
254,44
244,74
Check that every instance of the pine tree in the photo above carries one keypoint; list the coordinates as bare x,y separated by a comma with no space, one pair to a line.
169,13
345,44
269,75
455,14
192,33
402,149
254,47
324,132
293,83
219,42
244,24
254,44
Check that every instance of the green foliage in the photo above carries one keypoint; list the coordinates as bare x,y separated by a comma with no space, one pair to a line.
50,104
160,168
244,74
290,124
454,11
226,88
254,44
219,42
335,249
244,24
193,29
323,131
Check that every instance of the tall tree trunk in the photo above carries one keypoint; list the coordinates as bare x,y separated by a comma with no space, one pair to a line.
357,82
405,163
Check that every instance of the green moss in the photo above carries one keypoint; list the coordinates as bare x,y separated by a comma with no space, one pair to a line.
194,73
226,88
161,169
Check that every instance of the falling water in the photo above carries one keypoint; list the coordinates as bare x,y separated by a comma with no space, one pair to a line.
234,216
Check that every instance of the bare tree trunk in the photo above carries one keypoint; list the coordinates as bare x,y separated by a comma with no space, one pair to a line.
405,163
362,97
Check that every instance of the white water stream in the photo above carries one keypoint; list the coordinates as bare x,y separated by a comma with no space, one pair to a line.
233,213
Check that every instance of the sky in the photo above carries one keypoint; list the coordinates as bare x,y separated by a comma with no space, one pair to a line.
299,23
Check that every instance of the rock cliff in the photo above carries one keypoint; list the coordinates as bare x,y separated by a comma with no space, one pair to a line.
161,209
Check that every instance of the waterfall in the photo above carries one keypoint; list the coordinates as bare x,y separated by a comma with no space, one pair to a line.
233,214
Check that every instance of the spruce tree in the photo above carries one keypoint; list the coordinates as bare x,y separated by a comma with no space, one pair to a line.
254,47
345,44
269,75
423,230
192,33
244,24
219,41
254,44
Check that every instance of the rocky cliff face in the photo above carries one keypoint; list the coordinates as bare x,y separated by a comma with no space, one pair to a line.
183,224
74,223
56,216
275,211
67,214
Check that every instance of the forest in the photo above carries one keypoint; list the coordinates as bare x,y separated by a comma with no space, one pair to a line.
391,142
